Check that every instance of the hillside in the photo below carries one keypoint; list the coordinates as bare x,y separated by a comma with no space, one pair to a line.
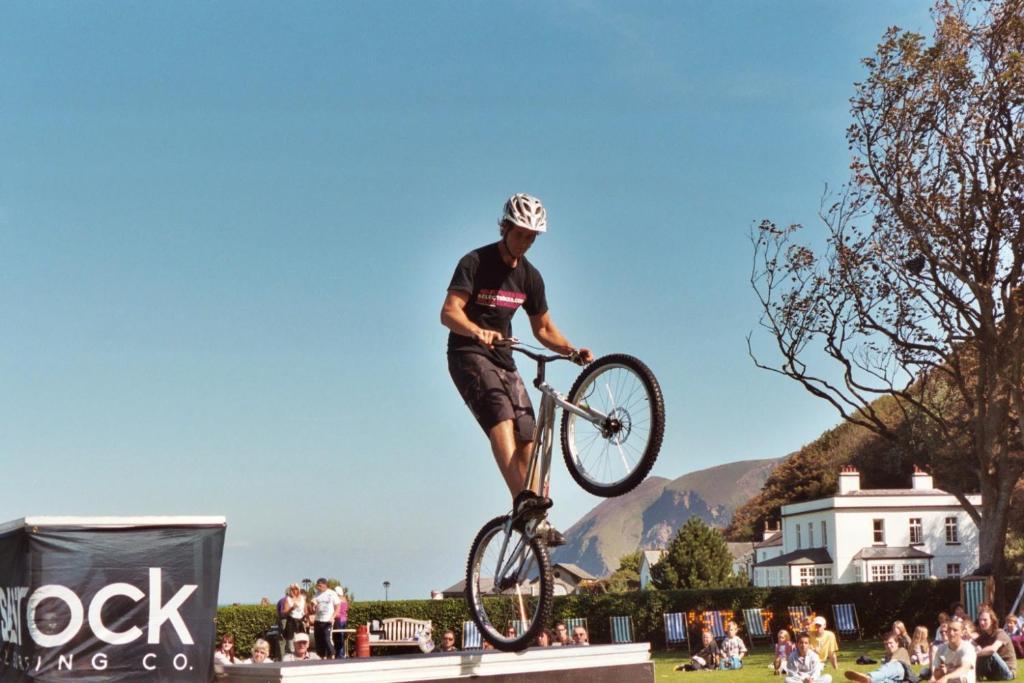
649,515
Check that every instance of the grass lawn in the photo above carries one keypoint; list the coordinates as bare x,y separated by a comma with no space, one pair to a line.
755,664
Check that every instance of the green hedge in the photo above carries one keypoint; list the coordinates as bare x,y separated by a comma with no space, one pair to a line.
878,605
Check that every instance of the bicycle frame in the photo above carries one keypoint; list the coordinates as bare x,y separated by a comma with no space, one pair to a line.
538,471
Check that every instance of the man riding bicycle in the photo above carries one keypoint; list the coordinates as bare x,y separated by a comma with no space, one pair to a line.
488,286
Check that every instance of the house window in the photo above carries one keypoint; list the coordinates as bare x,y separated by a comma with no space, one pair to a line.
799,545
824,534
810,576
916,536
952,531
953,570
810,534
883,572
913,571
879,526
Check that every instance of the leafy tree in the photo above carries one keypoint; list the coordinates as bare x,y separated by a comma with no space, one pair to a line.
918,293
627,576
812,472
697,557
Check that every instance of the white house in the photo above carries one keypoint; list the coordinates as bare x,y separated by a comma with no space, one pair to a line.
648,559
870,535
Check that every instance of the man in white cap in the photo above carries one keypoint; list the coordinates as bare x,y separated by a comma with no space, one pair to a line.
302,652
823,642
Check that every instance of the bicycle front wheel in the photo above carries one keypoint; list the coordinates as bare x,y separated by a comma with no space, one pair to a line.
611,453
508,585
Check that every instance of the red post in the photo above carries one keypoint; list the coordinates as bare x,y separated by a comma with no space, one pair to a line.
362,641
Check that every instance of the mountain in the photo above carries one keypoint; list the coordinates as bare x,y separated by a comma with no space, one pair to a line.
651,513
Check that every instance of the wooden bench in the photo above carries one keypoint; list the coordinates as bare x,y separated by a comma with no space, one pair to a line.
399,632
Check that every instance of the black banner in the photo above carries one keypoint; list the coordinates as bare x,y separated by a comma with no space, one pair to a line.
109,600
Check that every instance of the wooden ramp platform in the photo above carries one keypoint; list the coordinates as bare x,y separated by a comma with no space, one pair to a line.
594,664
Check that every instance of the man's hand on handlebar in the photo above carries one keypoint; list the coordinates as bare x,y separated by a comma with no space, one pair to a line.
488,337
581,356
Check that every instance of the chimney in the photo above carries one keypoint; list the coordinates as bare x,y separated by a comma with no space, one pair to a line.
770,527
849,480
922,481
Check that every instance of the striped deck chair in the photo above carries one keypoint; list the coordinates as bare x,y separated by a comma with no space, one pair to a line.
797,615
758,624
714,621
622,629
519,625
974,592
844,616
675,629
471,636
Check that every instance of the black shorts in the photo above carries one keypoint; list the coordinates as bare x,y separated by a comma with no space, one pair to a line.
492,393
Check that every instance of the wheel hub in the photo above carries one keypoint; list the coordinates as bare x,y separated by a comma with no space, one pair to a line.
617,426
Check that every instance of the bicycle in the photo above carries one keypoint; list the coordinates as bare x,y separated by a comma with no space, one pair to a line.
613,422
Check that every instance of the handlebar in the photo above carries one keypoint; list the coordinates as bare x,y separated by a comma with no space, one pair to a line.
515,345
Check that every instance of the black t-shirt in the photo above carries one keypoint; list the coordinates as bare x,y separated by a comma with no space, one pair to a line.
496,292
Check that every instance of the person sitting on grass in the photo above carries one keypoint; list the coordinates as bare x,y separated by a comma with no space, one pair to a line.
997,660
955,659
783,648
900,629
732,647
823,642
895,667
561,634
580,636
707,658
920,648
804,665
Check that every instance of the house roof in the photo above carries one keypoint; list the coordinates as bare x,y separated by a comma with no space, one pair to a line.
575,570
653,557
459,589
773,540
803,556
891,553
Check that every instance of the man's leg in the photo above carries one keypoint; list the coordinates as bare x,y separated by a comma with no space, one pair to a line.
994,668
512,458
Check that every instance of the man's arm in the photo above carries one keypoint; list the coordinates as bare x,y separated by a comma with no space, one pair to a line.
453,316
547,334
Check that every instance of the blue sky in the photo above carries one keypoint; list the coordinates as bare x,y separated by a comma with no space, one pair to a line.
226,230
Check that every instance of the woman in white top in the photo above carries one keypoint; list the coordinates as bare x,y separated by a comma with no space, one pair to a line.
295,608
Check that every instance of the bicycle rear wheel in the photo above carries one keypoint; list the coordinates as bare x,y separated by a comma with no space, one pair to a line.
612,456
508,584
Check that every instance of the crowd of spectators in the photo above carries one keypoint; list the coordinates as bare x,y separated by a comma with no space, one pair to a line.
324,614
961,652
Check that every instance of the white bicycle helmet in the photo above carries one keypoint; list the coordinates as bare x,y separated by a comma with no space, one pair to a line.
526,212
